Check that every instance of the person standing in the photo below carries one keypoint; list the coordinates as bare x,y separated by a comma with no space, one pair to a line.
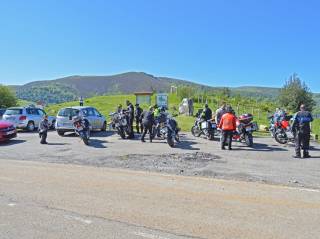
81,101
207,113
220,112
43,130
147,122
301,130
228,126
130,111
137,115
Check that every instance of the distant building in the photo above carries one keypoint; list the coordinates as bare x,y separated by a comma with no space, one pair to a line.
143,97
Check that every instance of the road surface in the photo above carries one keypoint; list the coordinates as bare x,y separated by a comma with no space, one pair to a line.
268,162
47,200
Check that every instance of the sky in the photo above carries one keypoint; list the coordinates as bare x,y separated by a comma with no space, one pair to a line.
214,42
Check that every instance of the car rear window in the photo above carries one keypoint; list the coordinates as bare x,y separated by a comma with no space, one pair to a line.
67,112
13,112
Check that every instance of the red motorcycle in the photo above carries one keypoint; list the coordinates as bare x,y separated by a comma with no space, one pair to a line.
245,129
283,131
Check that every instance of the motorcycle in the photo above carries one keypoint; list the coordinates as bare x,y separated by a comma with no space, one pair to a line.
119,122
245,129
283,131
168,129
82,130
203,127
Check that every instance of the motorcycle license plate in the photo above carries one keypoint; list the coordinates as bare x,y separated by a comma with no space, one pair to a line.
10,132
213,126
204,125
249,129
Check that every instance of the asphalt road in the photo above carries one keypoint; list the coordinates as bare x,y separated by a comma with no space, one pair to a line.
268,162
47,200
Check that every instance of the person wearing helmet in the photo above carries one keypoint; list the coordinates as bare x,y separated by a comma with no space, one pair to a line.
137,115
206,113
119,108
220,112
147,122
301,130
228,126
43,129
130,114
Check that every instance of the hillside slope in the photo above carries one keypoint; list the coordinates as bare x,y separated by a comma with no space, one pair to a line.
70,88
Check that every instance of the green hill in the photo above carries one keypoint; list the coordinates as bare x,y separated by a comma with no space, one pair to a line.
70,88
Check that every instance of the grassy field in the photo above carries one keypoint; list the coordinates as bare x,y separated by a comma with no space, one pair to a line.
108,104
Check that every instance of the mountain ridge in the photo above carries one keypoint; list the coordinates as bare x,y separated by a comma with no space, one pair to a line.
71,87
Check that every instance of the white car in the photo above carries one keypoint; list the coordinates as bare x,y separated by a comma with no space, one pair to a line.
64,118
27,118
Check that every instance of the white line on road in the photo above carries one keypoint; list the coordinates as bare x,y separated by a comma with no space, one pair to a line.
149,236
86,221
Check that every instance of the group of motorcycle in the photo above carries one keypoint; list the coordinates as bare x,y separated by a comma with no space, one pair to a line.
165,127
209,129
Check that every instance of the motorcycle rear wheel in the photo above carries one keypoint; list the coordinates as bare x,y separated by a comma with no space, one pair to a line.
248,140
196,132
170,140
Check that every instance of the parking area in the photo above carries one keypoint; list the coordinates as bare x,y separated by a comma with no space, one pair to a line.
266,162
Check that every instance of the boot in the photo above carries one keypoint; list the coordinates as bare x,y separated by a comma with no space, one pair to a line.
306,154
297,156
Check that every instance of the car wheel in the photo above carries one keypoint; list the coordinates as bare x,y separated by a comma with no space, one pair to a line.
53,125
104,127
30,126
60,133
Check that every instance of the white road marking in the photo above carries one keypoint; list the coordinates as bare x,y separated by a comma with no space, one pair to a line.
11,204
149,236
86,221
307,190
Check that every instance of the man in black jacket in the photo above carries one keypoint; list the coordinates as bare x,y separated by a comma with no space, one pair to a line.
301,130
137,115
130,112
147,122
43,129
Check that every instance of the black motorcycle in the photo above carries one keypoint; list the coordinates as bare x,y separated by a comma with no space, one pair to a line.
208,128
167,128
119,122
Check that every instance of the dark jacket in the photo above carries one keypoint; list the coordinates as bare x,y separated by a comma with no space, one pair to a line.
301,122
130,111
147,118
43,126
207,114
138,113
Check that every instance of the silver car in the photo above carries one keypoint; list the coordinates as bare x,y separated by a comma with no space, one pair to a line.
64,119
27,118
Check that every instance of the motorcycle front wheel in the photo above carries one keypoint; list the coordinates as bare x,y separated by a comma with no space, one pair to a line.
196,132
121,133
170,140
248,140
281,138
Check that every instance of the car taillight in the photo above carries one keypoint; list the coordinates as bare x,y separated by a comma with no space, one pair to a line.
23,117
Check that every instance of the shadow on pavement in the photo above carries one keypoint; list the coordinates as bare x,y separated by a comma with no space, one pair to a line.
11,142
98,134
97,143
187,145
57,144
259,147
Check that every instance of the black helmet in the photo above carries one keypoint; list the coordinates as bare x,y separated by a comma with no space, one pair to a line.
229,109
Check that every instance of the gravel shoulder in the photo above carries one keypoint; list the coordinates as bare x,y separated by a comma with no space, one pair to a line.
267,162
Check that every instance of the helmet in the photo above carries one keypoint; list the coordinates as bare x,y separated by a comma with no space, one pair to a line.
229,109
76,118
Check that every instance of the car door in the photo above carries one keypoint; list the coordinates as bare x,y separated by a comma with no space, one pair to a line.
89,115
99,118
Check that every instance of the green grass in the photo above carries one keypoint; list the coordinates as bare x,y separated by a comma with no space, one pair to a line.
107,104
316,128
